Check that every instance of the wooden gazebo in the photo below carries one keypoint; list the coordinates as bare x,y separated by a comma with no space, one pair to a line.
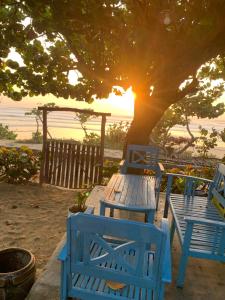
71,164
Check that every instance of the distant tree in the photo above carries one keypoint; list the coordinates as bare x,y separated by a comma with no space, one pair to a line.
156,46
37,136
82,118
7,134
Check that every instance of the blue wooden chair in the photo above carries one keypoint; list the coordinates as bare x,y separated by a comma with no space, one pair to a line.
145,158
101,249
198,221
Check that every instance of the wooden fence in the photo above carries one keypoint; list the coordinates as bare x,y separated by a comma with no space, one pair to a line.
71,165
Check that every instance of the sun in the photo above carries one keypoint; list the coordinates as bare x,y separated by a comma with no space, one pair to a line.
123,103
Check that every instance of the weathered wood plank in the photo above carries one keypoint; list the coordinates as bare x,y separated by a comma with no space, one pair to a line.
68,165
82,166
64,160
87,166
52,153
59,165
55,162
73,155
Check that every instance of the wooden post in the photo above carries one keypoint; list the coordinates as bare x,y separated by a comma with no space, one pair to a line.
44,142
102,147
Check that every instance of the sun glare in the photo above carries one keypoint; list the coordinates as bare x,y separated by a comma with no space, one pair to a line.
124,102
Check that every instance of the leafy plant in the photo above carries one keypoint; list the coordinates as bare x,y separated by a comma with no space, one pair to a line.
114,138
116,134
80,200
92,138
156,56
37,137
18,165
110,167
179,182
5,133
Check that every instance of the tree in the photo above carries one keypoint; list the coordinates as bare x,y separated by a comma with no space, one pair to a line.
203,104
83,118
155,46
7,134
37,136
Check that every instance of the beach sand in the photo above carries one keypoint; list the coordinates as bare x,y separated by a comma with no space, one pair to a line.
33,217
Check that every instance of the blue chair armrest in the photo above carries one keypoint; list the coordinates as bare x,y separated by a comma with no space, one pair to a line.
167,264
203,221
63,253
189,177
189,187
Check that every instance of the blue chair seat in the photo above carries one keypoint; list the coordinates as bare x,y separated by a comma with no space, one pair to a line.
204,236
197,220
99,287
98,249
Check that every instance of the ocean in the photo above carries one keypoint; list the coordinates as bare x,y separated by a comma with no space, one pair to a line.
64,125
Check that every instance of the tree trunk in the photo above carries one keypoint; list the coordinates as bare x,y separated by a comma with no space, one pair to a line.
147,112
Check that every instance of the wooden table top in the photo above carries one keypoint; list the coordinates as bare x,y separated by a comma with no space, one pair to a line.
131,191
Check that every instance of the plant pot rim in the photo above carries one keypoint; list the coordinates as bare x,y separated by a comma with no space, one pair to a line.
74,209
14,249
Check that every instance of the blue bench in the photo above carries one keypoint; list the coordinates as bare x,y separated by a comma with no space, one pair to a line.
199,223
144,158
101,250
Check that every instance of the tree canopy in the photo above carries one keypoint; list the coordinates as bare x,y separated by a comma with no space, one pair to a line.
155,46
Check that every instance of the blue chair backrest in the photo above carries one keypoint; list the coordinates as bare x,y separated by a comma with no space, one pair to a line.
217,192
115,263
142,157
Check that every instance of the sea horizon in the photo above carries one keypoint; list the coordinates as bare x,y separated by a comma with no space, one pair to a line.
63,125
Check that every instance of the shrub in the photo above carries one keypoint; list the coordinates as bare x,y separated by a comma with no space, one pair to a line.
114,138
179,183
5,133
110,167
18,165
37,137
92,139
116,135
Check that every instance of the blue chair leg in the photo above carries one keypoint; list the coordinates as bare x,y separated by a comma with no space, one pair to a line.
182,270
172,231
63,289
184,255
161,292
102,208
150,216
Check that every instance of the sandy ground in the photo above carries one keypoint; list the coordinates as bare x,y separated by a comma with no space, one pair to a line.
34,218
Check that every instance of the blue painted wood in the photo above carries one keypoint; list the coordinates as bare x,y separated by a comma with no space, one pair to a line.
146,158
96,258
130,192
198,222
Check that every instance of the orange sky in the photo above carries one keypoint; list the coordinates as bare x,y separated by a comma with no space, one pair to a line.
117,105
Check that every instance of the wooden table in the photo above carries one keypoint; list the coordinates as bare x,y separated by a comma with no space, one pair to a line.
132,193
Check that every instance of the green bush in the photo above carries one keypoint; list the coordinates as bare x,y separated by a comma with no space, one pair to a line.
18,165
179,182
92,138
37,137
116,135
5,133
114,138
110,167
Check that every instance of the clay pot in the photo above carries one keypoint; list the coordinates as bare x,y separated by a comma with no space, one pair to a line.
74,209
17,273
